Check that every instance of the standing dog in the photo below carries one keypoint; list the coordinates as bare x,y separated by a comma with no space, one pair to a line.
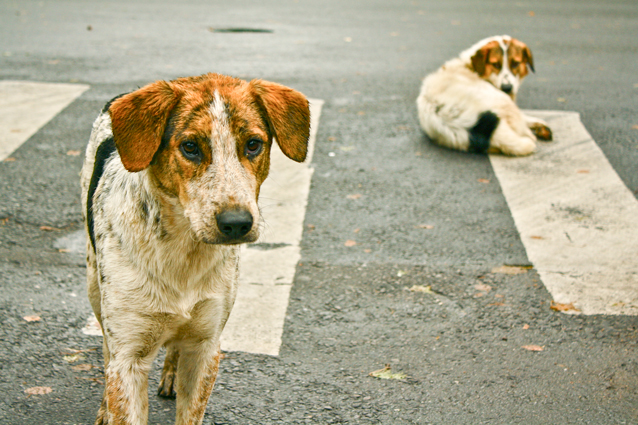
469,103
169,189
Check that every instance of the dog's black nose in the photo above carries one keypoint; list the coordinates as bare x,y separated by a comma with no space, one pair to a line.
235,223
507,88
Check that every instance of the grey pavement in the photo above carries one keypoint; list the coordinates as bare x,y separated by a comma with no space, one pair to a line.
350,312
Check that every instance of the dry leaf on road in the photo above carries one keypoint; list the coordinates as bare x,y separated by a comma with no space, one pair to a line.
84,367
532,347
354,196
32,318
73,153
511,269
38,390
350,242
425,226
562,307
386,373
421,288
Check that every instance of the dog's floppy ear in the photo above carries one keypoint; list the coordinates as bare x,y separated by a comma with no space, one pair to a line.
138,120
528,58
482,59
288,117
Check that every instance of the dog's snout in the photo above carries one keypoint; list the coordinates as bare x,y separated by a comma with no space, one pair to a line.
234,223
507,88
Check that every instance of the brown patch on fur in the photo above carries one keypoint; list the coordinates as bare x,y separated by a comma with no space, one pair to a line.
488,59
519,57
116,400
138,120
205,387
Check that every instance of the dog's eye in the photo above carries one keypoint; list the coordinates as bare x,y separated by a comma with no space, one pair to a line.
191,151
514,64
254,147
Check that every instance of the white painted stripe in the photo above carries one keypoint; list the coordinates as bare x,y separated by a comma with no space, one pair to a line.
257,320
26,106
577,219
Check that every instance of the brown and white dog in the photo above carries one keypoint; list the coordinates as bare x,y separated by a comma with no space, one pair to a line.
169,189
469,103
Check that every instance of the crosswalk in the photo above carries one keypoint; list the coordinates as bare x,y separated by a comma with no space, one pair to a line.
575,216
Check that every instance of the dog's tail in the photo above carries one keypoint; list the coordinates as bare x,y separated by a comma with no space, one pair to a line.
482,131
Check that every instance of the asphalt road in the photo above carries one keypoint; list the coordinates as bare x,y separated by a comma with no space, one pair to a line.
349,312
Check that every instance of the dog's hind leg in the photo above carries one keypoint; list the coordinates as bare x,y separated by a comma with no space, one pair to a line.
167,383
509,142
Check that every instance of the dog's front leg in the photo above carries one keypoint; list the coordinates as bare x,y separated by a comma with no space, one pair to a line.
132,345
196,374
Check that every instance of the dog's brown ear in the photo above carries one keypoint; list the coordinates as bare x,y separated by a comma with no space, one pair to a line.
138,120
288,116
528,58
485,56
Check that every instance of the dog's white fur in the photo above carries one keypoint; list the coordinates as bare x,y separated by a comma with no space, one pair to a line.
160,274
453,98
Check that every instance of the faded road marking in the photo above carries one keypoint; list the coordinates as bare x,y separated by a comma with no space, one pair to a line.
26,106
577,219
267,268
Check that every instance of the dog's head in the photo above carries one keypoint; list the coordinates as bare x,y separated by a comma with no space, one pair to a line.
205,143
503,61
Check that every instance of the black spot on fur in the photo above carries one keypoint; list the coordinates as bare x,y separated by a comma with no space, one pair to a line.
104,151
482,131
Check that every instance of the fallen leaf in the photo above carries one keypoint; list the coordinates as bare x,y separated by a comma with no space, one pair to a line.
561,100
9,159
425,226
531,14
386,373
526,326
32,318
367,251
537,237
479,294
354,196
73,153
356,230
421,288
511,269
332,139
634,127
483,180
72,358
84,367
582,171
350,242
48,228
38,390
562,307
64,250
496,304
499,295
74,351
483,287
532,348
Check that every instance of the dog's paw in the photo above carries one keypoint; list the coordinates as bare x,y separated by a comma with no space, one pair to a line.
166,387
541,131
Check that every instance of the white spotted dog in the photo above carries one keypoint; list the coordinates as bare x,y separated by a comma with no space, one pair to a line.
169,190
469,103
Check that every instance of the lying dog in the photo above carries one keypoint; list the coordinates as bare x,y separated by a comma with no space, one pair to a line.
469,103
169,189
